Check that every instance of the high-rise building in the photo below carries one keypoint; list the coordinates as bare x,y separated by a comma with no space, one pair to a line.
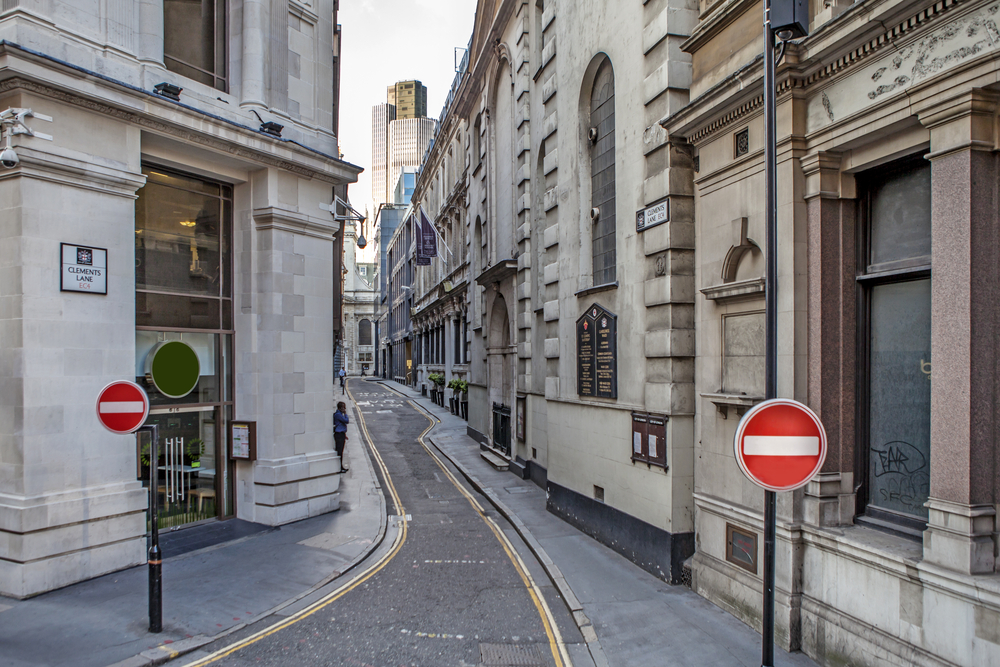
410,99
408,141
382,115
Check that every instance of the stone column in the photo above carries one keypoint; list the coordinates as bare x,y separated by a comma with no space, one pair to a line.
149,45
449,333
256,17
964,332
829,498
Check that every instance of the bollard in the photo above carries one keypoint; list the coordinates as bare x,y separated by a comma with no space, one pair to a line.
155,558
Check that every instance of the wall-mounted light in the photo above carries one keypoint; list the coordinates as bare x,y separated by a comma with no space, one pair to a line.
168,90
272,128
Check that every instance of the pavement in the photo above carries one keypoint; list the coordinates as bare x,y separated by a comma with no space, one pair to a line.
628,617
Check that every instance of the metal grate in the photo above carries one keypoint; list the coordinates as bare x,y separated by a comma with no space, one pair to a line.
741,142
510,655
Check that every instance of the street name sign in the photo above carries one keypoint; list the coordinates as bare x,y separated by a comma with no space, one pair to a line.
653,215
84,269
780,444
122,407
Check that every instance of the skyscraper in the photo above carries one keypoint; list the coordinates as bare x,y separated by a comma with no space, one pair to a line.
410,98
382,116
408,141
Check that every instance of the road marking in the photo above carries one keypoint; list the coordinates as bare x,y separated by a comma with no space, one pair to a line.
343,590
556,644
780,445
456,562
431,635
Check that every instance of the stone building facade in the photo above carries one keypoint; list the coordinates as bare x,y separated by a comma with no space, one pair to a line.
207,195
535,178
887,219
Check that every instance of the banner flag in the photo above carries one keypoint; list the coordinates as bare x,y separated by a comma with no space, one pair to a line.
429,235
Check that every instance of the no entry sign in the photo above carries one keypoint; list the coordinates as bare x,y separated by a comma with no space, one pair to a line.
122,406
780,444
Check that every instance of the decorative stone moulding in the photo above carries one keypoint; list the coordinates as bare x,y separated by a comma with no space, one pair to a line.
735,291
738,402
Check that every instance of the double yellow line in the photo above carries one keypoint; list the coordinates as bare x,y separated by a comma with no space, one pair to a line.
556,644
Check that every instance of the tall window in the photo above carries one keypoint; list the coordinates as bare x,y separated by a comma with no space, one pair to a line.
895,321
602,169
477,129
194,40
364,332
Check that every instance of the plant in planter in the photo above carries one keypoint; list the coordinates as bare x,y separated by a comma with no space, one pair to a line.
438,381
195,448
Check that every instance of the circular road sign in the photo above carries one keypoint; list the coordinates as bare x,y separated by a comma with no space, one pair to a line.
780,444
122,406
174,368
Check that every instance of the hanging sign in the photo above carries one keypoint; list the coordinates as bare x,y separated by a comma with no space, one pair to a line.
780,444
84,269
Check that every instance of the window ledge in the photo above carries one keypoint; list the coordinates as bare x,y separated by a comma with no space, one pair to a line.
597,288
739,402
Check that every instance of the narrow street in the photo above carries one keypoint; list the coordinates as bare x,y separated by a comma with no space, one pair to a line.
452,584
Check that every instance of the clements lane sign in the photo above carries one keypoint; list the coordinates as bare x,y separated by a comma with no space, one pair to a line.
84,269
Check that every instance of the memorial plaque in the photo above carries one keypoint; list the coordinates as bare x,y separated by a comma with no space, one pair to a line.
585,357
606,366
597,353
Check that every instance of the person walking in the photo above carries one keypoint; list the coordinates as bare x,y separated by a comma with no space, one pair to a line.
340,422
342,374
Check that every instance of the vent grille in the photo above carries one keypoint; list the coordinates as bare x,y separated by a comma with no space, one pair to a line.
510,655
741,142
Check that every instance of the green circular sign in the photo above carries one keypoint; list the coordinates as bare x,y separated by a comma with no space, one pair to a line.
174,368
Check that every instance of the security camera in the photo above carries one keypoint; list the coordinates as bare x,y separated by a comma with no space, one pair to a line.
8,158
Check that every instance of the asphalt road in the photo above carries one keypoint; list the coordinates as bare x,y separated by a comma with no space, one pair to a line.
452,584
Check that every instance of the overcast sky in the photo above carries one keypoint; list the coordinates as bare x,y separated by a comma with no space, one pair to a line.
385,41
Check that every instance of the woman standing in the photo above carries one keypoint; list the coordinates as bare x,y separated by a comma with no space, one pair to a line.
340,422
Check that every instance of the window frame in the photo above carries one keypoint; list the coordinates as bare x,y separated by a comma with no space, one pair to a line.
608,270
907,270
219,82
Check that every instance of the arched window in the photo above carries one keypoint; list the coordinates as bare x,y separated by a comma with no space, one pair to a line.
364,332
602,172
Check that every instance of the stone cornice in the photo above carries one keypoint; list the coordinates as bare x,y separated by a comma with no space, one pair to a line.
294,222
47,166
155,118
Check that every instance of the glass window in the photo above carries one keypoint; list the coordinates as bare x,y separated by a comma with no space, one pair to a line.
895,307
194,40
602,170
364,332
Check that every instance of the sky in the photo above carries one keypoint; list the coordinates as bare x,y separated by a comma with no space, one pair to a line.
385,41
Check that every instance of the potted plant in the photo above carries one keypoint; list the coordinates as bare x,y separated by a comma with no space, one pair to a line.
453,399
439,382
462,398
195,448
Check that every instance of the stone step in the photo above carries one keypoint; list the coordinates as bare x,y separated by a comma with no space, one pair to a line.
498,462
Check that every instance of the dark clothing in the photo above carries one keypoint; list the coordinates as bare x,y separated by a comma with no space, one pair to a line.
340,422
338,440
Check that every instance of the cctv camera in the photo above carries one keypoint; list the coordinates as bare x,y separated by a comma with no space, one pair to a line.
8,158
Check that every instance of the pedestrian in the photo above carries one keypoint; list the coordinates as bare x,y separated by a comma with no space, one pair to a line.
340,422
343,374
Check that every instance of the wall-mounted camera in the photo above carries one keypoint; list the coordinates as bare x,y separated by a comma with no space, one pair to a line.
8,157
12,122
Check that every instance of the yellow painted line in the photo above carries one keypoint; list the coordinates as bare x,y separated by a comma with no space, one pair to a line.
556,644
343,590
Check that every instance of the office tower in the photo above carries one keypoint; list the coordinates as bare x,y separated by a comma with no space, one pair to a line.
408,141
382,116
410,99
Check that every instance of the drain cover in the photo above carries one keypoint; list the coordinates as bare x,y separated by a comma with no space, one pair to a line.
510,655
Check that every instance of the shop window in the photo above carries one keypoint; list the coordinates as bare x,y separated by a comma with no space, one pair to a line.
194,40
895,331
602,170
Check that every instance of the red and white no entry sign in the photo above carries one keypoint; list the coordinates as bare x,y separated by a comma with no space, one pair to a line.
780,444
122,406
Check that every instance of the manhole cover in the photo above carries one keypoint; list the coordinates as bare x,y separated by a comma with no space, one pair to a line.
510,655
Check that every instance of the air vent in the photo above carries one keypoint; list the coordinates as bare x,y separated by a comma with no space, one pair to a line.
741,142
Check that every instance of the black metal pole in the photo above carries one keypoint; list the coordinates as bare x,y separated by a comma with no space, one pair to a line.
771,317
155,559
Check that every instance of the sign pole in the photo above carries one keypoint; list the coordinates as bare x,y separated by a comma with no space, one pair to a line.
155,558
771,318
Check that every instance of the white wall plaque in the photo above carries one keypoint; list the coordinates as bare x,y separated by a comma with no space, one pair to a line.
84,269
654,215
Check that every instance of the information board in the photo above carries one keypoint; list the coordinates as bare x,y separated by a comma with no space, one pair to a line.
243,441
597,353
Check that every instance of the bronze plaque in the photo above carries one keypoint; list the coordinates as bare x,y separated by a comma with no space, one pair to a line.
741,548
